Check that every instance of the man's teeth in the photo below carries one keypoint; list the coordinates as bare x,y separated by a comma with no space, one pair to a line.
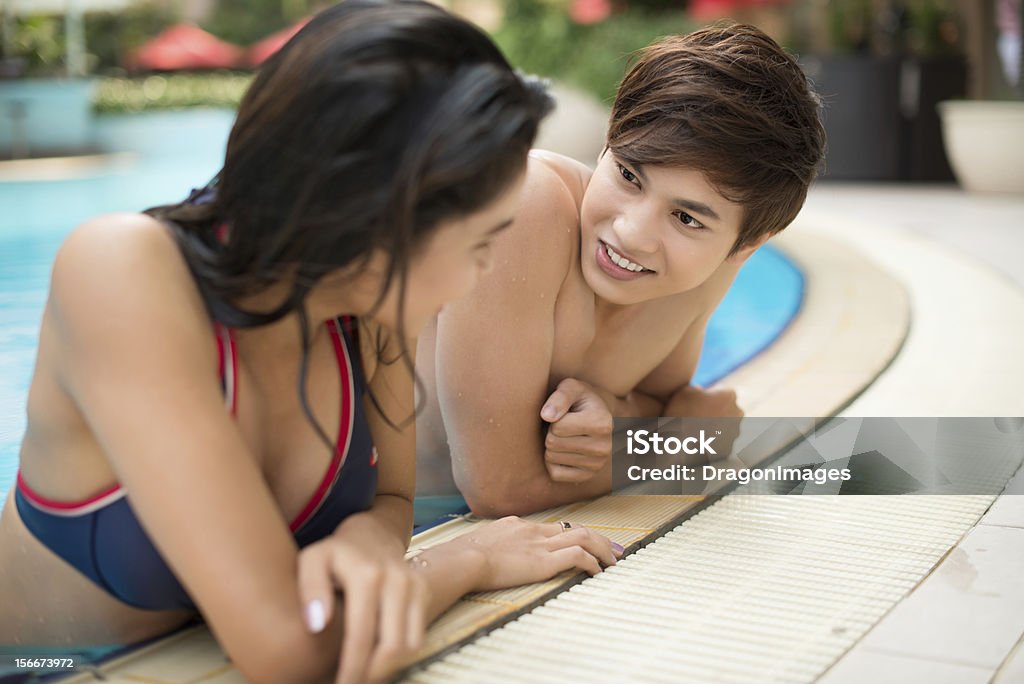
621,261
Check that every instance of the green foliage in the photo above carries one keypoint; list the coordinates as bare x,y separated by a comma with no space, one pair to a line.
244,22
850,25
538,36
39,39
111,36
934,28
171,91
920,28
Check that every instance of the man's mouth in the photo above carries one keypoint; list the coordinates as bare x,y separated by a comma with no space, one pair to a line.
621,261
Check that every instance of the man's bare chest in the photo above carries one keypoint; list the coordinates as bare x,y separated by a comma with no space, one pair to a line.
617,353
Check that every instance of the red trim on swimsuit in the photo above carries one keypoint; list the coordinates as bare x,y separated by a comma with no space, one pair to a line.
75,508
234,372
69,508
344,432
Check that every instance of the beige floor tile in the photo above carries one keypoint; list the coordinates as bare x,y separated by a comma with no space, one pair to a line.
1012,670
1007,511
970,610
864,665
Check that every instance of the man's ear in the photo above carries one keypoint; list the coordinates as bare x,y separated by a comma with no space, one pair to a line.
744,252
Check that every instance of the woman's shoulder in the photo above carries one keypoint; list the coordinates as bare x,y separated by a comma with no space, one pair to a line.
111,237
114,241
119,263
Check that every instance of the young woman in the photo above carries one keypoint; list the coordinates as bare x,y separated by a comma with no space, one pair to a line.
220,422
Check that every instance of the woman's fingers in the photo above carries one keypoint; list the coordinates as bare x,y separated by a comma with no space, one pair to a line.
572,557
594,544
416,624
383,605
316,589
520,552
392,633
362,599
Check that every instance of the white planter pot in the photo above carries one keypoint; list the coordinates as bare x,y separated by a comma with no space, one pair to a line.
985,144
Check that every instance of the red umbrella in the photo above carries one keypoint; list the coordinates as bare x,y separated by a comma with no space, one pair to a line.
707,10
185,46
590,11
261,51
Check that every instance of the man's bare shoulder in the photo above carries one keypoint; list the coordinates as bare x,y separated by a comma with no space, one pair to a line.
535,255
574,174
545,237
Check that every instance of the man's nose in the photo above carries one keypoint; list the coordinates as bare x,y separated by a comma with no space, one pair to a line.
636,232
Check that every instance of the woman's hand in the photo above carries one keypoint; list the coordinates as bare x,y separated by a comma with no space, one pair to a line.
383,602
515,551
579,438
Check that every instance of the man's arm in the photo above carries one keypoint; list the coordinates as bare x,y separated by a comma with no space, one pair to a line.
671,381
677,369
494,353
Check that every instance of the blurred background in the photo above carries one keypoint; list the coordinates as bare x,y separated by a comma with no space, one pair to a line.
119,105
882,66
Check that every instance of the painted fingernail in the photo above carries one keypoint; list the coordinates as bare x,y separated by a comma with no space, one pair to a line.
315,616
618,548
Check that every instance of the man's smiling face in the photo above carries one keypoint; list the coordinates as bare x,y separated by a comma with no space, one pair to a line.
653,231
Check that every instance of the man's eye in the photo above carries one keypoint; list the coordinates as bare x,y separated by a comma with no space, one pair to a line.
626,173
688,220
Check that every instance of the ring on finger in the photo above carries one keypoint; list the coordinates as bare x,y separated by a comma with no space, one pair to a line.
565,525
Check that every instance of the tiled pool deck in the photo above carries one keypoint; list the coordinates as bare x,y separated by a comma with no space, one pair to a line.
961,257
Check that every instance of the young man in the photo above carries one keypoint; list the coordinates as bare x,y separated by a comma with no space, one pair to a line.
598,299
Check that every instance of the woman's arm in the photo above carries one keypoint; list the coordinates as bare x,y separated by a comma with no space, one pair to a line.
393,429
507,553
138,359
380,593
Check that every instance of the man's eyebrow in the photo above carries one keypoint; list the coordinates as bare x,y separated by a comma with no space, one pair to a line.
690,205
698,208
500,227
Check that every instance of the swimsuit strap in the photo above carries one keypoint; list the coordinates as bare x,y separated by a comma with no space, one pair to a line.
345,428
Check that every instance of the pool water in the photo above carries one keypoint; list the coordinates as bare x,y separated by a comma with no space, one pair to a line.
172,152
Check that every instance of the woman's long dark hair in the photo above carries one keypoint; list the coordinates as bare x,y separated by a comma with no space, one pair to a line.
377,121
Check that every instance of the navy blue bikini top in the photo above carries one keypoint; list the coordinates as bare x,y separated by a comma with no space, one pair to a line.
102,538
